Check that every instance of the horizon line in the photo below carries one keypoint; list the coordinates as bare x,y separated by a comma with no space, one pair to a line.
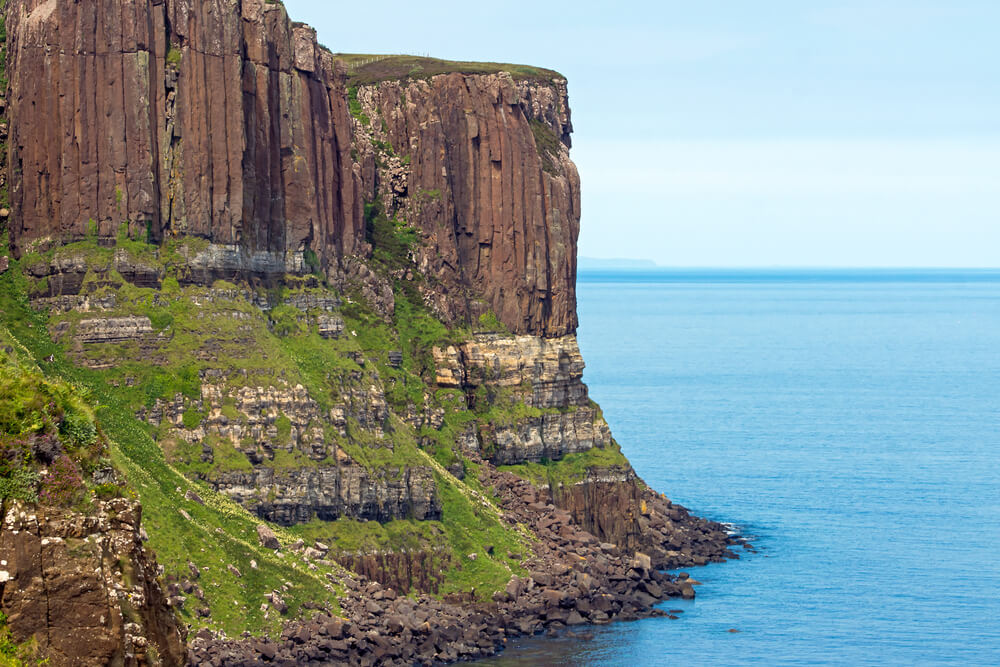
648,265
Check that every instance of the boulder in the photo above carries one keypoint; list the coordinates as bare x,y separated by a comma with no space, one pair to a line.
268,539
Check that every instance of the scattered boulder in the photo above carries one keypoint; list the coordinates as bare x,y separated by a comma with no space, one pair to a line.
268,539
193,497
277,602
642,561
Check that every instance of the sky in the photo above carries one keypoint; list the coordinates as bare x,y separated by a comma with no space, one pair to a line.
730,133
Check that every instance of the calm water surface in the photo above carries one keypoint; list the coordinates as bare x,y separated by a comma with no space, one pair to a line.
849,420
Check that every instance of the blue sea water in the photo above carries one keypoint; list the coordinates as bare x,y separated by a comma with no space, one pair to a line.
848,420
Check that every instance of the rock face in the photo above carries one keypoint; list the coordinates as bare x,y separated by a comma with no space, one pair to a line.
546,374
331,492
90,577
217,119
327,484
227,121
114,330
490,185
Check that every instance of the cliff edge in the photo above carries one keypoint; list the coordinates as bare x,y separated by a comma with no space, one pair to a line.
226,121
327,303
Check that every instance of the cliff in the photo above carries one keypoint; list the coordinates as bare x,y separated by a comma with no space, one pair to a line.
77,583
227,121
205,117
327,303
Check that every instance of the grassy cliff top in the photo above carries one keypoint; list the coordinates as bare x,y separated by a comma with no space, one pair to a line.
371,68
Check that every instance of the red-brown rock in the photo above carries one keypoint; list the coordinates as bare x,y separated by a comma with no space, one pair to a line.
227,121
203,117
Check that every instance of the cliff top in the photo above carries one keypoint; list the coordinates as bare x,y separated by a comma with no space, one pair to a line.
370,68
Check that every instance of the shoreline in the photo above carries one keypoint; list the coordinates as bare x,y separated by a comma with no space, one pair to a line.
573,581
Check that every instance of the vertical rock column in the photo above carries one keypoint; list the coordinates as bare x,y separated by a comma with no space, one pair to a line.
491,186
212,118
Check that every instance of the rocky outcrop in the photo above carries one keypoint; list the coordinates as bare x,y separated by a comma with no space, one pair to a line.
545,374
548,437
84,588
325,482
113,329
552,367
413,571
614,504
330,492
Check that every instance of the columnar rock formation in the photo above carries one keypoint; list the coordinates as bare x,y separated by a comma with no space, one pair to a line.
334,294
225,120
207,117
491,186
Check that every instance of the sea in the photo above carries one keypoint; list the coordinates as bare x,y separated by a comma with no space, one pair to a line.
848,421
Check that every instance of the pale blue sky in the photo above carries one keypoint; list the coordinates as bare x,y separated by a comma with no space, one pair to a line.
768,133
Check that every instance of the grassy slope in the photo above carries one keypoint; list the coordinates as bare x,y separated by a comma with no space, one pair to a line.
222,533
218,534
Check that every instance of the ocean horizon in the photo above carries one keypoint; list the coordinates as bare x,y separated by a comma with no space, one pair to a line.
742,274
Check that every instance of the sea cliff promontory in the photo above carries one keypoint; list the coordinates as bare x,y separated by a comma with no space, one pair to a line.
321,310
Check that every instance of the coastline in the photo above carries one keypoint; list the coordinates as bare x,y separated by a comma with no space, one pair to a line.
574,581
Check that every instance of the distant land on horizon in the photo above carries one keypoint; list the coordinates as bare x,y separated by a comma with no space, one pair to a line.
626,264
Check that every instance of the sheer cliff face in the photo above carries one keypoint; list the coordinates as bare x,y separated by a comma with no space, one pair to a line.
205,117
223,119
491,186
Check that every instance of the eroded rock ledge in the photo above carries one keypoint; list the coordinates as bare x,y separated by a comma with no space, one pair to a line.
573,579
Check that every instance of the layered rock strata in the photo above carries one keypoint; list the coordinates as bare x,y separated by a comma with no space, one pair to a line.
544,374
328,484
573,579
329,492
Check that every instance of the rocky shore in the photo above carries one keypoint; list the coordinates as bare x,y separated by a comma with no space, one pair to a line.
572,580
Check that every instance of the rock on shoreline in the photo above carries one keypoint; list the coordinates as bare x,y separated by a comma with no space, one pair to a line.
574,579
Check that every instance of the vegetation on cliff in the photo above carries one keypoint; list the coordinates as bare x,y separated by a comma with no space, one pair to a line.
371,68
338,357
50,446
131,377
